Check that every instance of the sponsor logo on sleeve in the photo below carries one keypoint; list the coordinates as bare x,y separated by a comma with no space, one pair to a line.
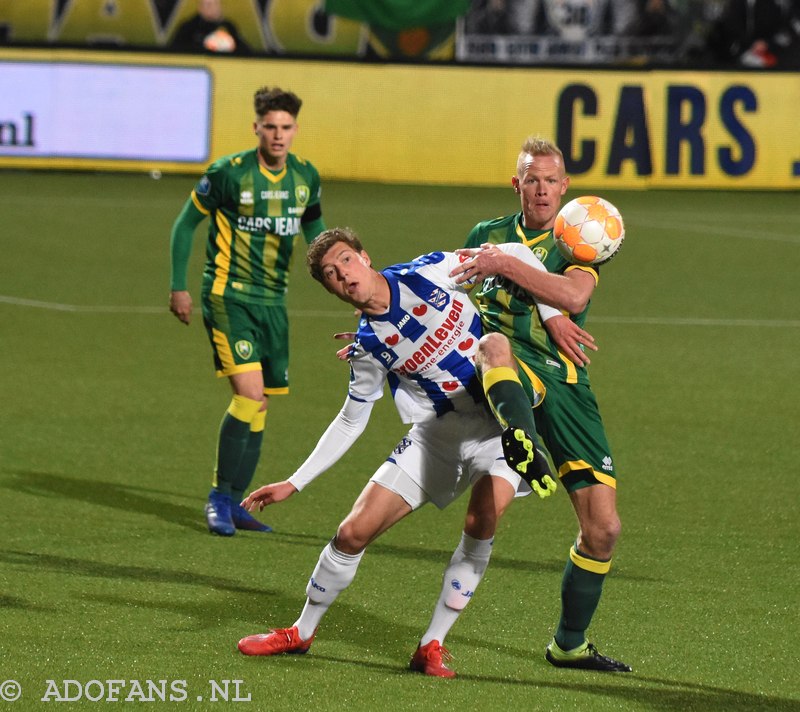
203,186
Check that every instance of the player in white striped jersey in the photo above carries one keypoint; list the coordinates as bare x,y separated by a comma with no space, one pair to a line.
418,334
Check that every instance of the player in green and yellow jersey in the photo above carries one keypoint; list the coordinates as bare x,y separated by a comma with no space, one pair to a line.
521,367
258,201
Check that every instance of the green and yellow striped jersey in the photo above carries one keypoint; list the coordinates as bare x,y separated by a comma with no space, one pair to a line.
255,217
507,309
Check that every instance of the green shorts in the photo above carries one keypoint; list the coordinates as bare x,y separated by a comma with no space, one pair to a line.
569,423
249,337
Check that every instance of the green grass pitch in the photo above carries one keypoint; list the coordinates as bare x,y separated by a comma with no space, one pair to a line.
107,435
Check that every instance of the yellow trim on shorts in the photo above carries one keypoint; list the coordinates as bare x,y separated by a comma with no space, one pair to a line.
497,374
241,368
224,352
596,567
281,391
574,465
539,388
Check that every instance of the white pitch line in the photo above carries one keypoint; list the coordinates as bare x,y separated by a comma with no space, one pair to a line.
109,309
694,321
55,306
319,313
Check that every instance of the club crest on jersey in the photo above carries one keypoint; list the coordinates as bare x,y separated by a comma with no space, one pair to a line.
402,445
246,197
540,252
244,349
302,193
438,298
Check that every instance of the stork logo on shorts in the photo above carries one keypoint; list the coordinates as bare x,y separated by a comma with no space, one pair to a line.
302,193
244,349
402,445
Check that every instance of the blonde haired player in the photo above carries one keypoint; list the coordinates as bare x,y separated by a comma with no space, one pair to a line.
525,368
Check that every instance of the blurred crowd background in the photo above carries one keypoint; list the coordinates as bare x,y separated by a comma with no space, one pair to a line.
715,34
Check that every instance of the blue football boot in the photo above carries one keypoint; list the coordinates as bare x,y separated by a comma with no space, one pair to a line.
218,514
242,519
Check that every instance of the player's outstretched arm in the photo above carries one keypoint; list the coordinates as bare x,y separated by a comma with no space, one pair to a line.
268,494
570,292
345,352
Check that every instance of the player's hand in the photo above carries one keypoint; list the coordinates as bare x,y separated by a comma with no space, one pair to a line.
268,494
486,261
345,353
544,486
180,304
570,339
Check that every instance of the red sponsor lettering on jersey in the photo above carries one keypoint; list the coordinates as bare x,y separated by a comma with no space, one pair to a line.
434,341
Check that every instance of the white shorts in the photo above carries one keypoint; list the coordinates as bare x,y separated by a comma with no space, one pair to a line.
439,459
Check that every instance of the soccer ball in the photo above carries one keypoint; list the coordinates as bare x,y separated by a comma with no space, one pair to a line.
588,230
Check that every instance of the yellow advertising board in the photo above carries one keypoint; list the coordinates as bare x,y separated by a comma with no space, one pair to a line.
460,125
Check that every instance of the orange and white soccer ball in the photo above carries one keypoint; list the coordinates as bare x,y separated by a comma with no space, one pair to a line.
588,230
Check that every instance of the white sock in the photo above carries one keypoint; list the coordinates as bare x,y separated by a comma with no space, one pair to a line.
333,573
461,578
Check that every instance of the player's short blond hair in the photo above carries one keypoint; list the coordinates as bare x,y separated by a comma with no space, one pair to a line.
323,242
537,146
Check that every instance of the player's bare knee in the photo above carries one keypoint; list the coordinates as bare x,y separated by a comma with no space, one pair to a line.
494,350
480,525
600,539
350,539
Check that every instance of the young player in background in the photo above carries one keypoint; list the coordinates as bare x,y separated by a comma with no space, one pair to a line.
527,368
418,333
258,202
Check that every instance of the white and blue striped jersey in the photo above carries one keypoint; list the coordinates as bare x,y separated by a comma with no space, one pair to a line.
424,346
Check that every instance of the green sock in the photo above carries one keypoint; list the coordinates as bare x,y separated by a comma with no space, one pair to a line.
234,433
247,466
580,594
233,437
508,400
